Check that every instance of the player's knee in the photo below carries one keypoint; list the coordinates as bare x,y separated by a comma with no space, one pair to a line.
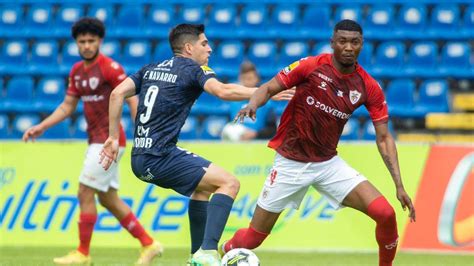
233,186
385,213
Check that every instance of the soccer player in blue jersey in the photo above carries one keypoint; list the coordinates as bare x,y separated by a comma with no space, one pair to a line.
167,90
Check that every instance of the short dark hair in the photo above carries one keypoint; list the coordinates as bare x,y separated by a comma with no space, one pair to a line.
349,25
88,25
184,33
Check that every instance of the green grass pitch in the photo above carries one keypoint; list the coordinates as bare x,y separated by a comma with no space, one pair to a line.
17,256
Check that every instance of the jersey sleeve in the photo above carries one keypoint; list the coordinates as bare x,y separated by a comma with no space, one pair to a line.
114,73
202,74
71,86
376,104
295,73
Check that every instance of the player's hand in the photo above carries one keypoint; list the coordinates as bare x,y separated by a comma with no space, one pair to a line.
33,132
406,203
285,95
109,153
247,111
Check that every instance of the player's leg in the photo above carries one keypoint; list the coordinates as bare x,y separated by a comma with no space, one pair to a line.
367,199
197,213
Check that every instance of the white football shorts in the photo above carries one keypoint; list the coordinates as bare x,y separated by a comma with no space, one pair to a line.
288,182
94,176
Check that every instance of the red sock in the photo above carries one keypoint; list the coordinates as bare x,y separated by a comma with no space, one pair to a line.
86,226
245,238
134,227
386,229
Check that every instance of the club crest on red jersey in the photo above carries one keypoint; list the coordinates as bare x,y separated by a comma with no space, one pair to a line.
354,96
93,82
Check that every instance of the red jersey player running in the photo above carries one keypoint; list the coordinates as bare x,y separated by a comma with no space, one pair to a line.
329,87
93,80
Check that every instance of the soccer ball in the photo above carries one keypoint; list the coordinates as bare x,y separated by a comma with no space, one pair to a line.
240,257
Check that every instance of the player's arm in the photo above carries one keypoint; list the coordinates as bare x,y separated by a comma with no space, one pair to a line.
259,97
229,91
388,151
63,111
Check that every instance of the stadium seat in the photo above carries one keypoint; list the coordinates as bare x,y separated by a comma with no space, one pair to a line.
433,97
62,130
19,95
208,104
69,56
191,13
103,12
455,60
444,21
368,130
366,56
44,58
323,47
128,125
11,20
467,29
277,107
159,22
136,54
79,128
39,21
351,130
49,93
253,19
13,56
291,52
352,12
422,60
22,122
129,22
222,21
190,129
66,15
411,20
212,127
284,22
400,95
320,28
4,127
162,52
111,48
227,58
263,55
389,58
379,22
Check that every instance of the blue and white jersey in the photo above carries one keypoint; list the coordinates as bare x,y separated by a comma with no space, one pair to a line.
167,91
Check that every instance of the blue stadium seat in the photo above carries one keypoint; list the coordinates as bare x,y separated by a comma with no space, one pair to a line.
160,20
13,56
4,127
22,122
69,56
39,21
162,52
444,21
352,12
103,12
422,60
277,107
389,59
208,104
379,22
322,48
44,58
111,48
66,15
49,93
366,56
11,20
400,95
136,54
455,60
19,95
291,52
128,125
227,58
222,21
191,13
253,21
320,28
467,29
284,21
129,22
79,128
351,130
62,130
263,55
190,129
433,97
212,127
411,20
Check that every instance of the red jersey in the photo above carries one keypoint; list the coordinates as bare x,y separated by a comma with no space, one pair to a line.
312,123
93,84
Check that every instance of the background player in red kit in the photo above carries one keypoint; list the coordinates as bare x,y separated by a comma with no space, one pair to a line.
92,80
329,87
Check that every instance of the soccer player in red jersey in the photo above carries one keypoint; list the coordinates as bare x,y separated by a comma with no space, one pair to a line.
329,87
93,80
